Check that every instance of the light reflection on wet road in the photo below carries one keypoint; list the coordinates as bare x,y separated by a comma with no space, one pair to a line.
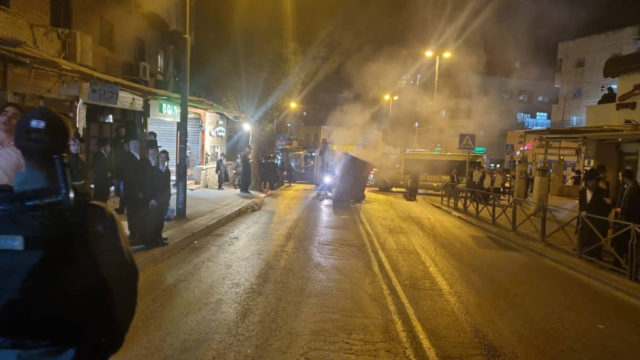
388,279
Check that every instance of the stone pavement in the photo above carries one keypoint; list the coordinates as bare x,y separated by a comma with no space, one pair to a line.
207,210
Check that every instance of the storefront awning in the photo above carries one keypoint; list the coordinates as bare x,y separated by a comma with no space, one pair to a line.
626,132
38,59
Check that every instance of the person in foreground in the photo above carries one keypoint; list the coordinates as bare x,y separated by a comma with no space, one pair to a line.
68,282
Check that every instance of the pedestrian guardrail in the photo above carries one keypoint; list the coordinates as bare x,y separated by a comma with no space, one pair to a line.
610,242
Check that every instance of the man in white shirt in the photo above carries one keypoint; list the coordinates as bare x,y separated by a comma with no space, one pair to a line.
11,160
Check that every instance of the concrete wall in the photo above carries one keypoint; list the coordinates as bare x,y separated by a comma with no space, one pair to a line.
28,21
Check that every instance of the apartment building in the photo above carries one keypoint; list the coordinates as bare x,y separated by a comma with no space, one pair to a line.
579,74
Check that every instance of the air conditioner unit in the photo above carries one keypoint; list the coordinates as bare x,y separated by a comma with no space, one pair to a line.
80,48
143,71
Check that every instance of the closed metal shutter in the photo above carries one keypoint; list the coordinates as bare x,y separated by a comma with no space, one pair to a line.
194,135
167,137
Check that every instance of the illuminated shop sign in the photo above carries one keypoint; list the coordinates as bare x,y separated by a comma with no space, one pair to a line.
168,109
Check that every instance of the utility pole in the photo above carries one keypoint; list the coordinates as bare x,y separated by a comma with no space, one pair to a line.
181,159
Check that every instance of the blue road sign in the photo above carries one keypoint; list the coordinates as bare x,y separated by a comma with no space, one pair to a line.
509,149
281,140
467,141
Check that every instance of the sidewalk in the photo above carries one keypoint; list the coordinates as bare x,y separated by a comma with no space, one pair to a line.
207,210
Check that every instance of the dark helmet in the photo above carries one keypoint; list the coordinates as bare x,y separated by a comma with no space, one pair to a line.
42,132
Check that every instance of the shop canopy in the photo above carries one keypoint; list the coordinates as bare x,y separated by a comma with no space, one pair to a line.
35,58
580,133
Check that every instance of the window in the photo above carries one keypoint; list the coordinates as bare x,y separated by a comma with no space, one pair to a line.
575,120
540,121
523,117
106,33
543,99
524,96
160,63
140,50
577,93
61,14
580,63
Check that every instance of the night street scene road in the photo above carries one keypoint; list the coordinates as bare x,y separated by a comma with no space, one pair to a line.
328,179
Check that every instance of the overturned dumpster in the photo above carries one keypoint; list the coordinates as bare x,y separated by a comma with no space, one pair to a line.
351,179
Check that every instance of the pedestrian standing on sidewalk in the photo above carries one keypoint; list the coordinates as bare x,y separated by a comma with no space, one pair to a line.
120,148
530,179
245,180
133,189
498,182
291,172
627,209
221,170
271,172
577,178
593,201
11,160
155,197
102,166
237,169
77,167
603,182
165,191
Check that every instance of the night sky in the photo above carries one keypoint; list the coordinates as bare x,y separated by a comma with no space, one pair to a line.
256,54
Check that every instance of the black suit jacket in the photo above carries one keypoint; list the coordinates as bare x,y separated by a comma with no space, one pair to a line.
133,175
597,206
102,168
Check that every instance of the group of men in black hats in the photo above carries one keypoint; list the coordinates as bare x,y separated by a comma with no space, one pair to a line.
146,191
596,206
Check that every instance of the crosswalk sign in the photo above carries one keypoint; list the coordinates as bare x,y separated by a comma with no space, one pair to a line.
281,140
509,149
467,141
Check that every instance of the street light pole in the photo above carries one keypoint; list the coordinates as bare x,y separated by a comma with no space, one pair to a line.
430,54
181,159
435,84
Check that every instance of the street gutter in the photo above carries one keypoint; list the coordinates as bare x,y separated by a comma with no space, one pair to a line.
210,223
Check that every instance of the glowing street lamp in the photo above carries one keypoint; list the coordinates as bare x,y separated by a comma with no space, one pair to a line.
430,54
390,98
293,105
246,127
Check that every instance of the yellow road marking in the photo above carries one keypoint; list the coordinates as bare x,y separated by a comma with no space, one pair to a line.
368,235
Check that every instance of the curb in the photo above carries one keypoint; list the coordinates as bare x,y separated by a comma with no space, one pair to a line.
579,267
155,256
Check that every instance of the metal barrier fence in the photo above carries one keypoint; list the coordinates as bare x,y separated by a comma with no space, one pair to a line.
609,242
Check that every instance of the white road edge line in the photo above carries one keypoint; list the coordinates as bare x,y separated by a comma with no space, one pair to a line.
422,336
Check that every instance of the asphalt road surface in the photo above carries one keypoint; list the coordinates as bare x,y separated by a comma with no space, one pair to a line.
389,279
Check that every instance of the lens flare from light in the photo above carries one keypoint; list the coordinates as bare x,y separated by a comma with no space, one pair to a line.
387,97
429,53
447,54
246,127
328,179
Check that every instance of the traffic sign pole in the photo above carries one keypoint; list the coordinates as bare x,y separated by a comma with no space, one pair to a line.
466,175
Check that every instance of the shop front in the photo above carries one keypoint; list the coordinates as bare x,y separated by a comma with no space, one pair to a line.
164,117
215,136
103,107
